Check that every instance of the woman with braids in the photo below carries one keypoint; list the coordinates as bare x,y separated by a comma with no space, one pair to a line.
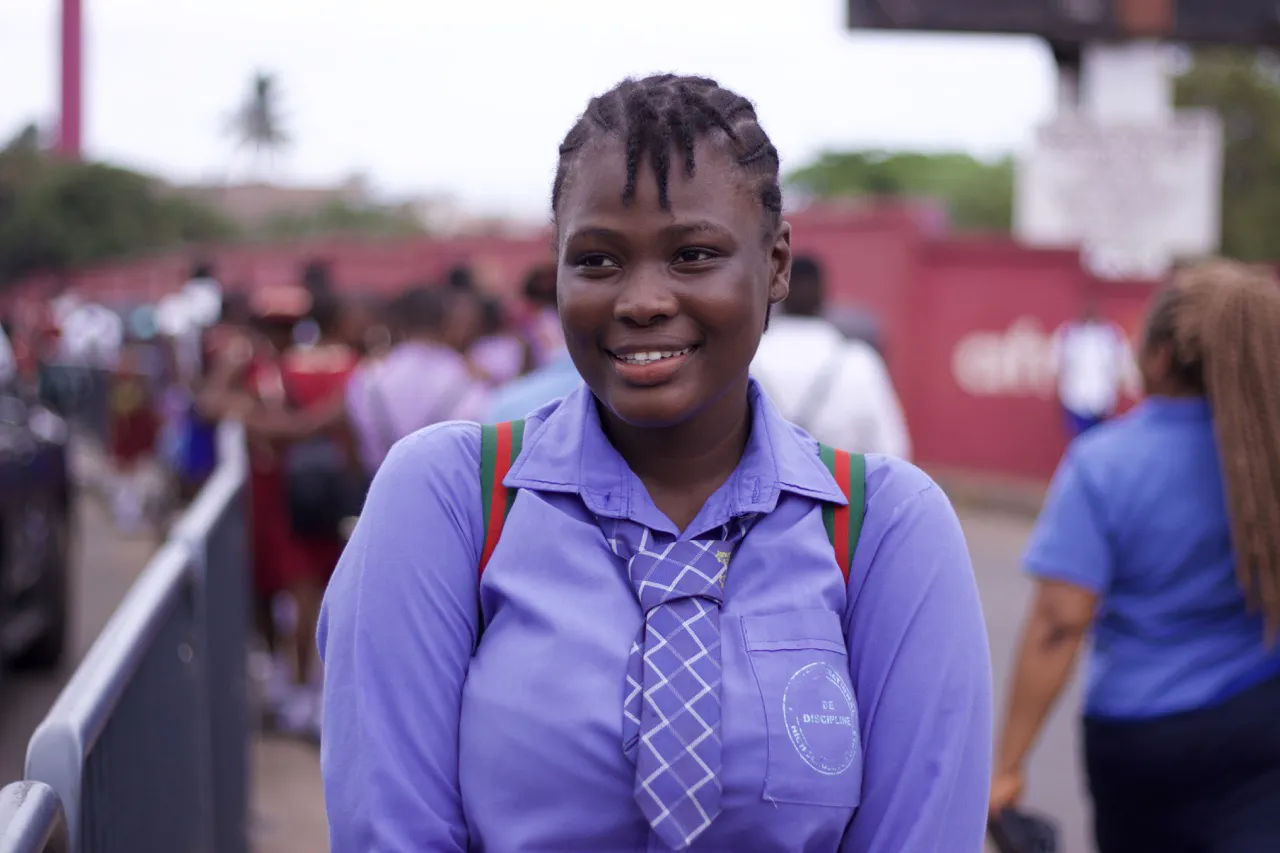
663,646
1161,537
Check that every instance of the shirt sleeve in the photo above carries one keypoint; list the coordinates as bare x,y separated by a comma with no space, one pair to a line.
921,670
1069,542
396,634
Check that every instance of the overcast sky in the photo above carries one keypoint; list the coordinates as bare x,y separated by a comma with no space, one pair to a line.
472,97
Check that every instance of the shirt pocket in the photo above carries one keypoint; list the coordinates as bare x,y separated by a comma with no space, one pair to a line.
801,666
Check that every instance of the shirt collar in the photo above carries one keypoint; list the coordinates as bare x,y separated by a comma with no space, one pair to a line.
565,450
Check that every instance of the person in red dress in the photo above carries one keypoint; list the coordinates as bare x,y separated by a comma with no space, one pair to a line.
248,374
133,428
311,377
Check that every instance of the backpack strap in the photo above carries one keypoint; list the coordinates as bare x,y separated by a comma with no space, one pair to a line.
844,523
499,446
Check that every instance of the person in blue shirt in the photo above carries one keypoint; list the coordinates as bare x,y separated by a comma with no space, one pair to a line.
1160,536
554,380
660,651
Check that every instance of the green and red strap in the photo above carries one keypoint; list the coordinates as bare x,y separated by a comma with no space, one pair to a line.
500,446
844,523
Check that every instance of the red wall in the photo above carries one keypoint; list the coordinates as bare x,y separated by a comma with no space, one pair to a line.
966,322
979,380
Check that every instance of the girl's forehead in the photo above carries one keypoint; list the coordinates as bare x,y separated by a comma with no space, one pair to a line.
597,183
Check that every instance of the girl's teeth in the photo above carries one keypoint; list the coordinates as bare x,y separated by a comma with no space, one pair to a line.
646,357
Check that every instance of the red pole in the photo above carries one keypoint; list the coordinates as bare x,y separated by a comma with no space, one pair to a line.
69,124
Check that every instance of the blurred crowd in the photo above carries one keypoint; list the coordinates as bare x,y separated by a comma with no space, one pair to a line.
325,383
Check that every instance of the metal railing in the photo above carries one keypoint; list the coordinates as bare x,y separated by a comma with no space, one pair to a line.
31,819
147,747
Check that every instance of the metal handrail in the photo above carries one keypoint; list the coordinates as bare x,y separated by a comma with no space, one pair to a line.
31,819
61,743
60,747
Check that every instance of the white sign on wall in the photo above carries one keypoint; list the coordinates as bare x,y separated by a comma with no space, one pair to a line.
1132,196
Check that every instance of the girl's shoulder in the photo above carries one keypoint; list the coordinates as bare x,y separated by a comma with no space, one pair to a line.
443,446
890,481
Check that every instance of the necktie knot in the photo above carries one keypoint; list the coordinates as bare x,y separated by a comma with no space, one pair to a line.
664,574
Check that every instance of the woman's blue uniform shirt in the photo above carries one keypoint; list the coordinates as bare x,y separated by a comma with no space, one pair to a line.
1137,514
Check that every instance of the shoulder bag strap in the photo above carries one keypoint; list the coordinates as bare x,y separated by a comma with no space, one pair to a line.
844,523
499,446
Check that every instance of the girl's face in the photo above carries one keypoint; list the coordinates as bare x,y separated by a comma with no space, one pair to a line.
663,309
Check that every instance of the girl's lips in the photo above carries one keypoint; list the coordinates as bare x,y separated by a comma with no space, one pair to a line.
650,373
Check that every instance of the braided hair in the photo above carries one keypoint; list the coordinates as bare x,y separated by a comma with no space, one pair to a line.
668,113
1220,323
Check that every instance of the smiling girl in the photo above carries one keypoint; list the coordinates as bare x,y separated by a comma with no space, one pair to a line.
665,644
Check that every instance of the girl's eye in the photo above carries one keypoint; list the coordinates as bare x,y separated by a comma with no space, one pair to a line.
598,262
693,256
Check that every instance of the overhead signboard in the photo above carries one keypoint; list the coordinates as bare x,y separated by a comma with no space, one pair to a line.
1247,23
1134,197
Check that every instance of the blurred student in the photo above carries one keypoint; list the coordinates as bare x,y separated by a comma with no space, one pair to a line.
317,483
1160,537
424,379
1092,355
836,389
556,379
498,355
134,428
541,325
248,376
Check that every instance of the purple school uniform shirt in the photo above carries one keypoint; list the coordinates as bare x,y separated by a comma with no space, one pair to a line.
417,384
432,745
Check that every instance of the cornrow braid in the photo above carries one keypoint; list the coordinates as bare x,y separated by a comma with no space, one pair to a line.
667,114
1221,323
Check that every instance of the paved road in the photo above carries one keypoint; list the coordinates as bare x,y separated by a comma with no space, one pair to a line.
1054,775
104,564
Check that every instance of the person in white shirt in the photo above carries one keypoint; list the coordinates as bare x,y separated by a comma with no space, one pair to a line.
1091,355
8,361
835,388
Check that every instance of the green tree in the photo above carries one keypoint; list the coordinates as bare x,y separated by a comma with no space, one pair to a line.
1244,88
978,194
259,124
56,214
342,217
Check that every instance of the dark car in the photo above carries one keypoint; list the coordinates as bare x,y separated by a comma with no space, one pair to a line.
35,528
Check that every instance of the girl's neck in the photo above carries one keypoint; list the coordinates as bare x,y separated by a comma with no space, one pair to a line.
683,465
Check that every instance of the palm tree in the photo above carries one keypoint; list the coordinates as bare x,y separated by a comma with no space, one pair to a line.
258,123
